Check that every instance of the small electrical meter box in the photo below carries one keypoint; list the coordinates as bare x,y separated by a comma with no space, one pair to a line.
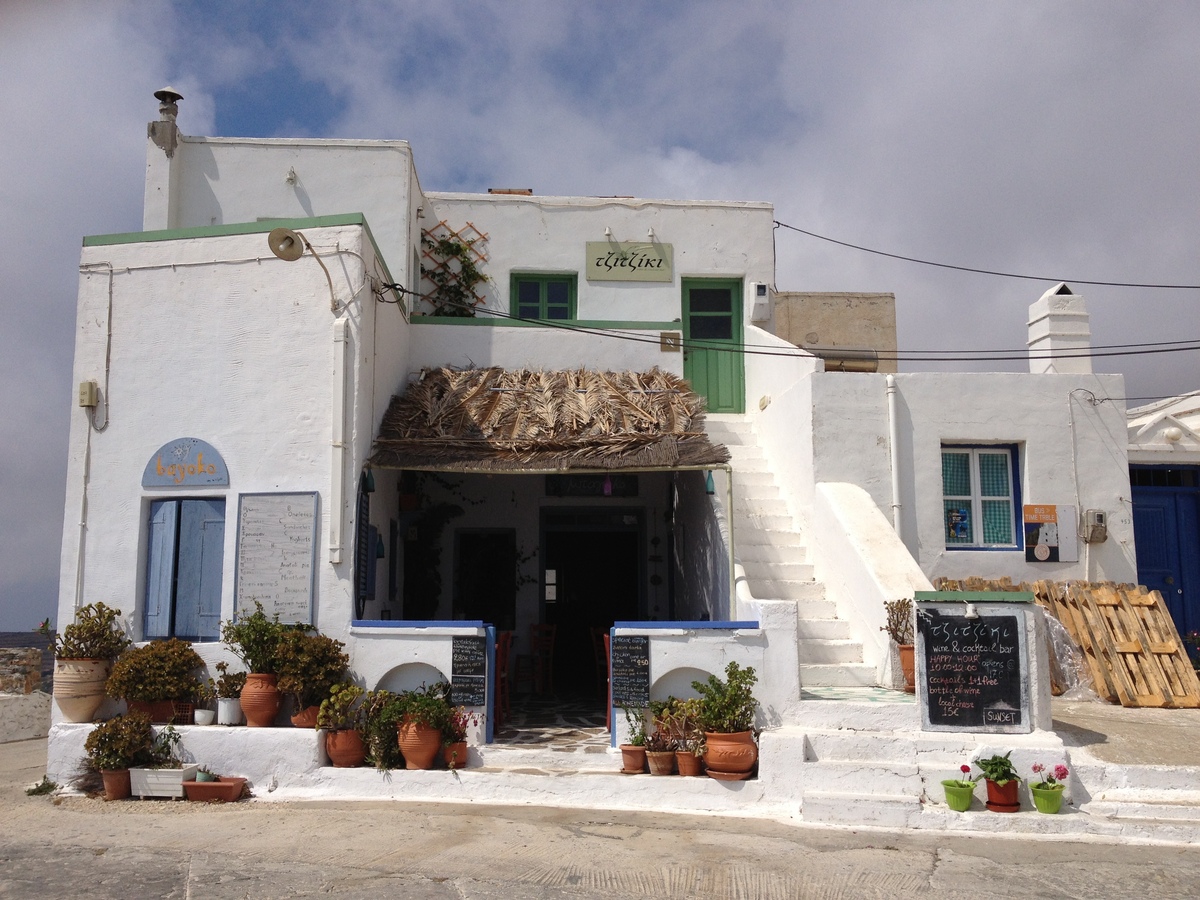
87,394
1095,526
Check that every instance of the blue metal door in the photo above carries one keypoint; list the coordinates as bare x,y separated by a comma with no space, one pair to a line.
1166,529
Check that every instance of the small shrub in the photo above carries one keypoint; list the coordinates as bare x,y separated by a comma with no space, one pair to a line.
727,707
96,633
121,742
159,670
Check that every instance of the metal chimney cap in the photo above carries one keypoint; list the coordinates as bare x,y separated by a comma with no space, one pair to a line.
168,95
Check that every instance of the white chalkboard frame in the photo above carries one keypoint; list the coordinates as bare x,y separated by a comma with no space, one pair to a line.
271,606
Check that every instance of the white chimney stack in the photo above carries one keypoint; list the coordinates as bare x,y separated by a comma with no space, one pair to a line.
1060,335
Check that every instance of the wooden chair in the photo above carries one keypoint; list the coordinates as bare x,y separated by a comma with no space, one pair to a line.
503,694
541,644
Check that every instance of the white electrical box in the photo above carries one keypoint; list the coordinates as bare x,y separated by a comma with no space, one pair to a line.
88,391
1095,526
760,299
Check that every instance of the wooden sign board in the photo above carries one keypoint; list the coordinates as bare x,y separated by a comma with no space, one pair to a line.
973,674
631,670
276,555
468,670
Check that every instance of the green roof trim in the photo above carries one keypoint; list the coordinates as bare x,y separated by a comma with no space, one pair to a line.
541,323
262,227
973,596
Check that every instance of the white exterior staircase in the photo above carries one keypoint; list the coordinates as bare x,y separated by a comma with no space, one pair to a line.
770,547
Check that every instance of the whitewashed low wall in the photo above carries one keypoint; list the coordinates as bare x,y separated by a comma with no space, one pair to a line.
24,717
863,564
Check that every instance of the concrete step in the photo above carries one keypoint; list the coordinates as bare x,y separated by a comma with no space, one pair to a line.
823,629
816,607
760,506
856,808
761,570
747,524
863,777
1184,807
748,482
774,589
823,652
840,675
794,552
757,537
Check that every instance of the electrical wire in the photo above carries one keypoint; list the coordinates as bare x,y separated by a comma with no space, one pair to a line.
940,265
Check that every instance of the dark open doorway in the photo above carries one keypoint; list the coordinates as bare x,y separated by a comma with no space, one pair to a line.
485,576
592,576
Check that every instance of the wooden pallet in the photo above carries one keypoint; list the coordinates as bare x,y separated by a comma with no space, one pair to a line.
1128,638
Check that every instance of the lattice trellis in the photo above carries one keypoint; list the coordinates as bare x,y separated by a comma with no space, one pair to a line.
441,283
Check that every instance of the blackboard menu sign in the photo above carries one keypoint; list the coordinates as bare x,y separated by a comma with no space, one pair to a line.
468,671
631,670
276,552
974,673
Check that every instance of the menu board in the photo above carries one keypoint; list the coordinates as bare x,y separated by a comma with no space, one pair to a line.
468,670
276,554
973,673
631,670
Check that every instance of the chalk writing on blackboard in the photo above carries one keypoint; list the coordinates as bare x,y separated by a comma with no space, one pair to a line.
276,554
631,670
975,674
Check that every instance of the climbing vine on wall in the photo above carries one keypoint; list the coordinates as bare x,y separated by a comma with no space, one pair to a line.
450,267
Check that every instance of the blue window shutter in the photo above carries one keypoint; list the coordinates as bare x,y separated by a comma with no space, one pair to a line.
201,552
160,567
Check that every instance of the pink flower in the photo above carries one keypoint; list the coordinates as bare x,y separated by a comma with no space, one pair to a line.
1038,768
1060,772
966,770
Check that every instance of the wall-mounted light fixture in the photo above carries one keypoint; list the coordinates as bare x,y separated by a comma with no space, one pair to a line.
607,231
972,612
290,245
650,234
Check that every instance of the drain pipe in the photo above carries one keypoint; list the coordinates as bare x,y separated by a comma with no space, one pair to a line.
894,454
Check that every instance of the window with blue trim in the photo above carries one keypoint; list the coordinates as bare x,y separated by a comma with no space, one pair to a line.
184,563
980,496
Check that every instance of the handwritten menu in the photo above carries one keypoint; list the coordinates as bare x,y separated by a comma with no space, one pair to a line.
468,671
276,554
976,672
631,670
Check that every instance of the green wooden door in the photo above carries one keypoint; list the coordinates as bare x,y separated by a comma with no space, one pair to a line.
712,334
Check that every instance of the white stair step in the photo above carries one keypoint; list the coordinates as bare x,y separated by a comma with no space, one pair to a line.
775,589
823,629
829,652
744,481
760,570
1178,811
761,506
845,808
815,607
844,675
852,745
793,552
758,522
863,777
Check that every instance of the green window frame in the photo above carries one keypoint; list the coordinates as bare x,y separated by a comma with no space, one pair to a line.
550,297
981,495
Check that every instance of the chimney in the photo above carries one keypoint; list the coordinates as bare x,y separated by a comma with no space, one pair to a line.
164,132
162,173
1058,330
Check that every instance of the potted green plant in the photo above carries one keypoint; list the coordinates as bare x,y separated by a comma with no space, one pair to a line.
660,753
681,719
228,688
382,712
341,717
425,712
164,774
114,746
633,752
454,736
727,711
959,791
159,678
205,695
900,629
255,638
83,657
308,664
1002,782
1048,792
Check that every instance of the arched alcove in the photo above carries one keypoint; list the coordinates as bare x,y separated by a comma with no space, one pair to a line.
409,676
677,683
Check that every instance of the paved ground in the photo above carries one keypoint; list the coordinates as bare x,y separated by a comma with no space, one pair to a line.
56,847
1162,737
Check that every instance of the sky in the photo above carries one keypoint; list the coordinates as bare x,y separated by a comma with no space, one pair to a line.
1055,139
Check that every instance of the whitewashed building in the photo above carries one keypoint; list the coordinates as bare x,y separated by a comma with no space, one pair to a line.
229,442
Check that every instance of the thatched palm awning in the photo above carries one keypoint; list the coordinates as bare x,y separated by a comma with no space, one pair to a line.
502,420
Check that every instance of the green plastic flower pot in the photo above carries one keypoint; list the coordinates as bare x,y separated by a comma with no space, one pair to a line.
958,796
1048,799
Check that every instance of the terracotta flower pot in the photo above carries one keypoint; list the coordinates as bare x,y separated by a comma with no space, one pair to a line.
345,748
224,790
260,700
1003,797
419,743
307,717
633,759
688,763
161,712
79,687
455,755
908,665
730,757
116,784
662,762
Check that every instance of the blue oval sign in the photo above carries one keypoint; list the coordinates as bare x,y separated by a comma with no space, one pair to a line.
186,462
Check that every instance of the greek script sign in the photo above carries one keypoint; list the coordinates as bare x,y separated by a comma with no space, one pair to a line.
185,463
631,670
621,261
973,673
468,671
276,553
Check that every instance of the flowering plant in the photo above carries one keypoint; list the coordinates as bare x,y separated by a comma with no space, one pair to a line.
1052,779
459,720
965,781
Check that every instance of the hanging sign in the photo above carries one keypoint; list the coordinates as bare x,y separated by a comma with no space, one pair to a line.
186,463
623,261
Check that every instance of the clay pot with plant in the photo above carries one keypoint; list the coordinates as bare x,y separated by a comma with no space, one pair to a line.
681,719
160,678
660,753
83,658
454,736
113,747
1002,783
308,664
341,716
425,712
727,712
633,752
228,689
900,629
255,638
382,712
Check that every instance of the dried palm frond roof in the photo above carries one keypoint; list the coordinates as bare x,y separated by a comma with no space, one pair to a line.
513,420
